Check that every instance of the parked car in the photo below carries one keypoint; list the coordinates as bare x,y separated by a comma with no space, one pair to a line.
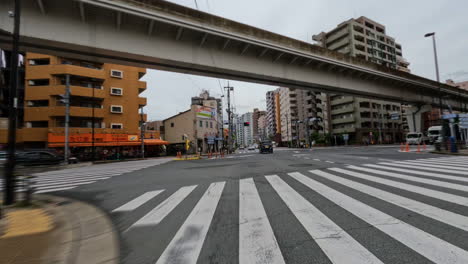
266,147
38,157
251,147
415,138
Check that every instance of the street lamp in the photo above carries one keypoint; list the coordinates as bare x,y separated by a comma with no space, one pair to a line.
437,69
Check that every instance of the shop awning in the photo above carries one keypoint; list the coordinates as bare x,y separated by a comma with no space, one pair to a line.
148,142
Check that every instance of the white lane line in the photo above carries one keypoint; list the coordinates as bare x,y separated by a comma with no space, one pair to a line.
364,157
419,167
408,187
329,161
40,184
449,185
342,248
447,159
72,175
423,173
436,213
432,165
56,189
316,159
296,151
185,248
138,201
257,242
386,160
38,180
156,215
431,247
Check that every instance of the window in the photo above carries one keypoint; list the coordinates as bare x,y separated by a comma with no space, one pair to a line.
116,74
116,126
211,124
172,124
116,109
38,103
39,82
206,124
201,123
37,124
116,91
45,61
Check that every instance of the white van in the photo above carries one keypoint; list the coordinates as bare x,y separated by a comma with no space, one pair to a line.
415,138
434,132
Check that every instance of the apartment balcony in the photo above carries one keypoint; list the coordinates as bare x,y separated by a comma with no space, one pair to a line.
41,71
344,130
339,43
34,134
347,109
142,101
141,86
343,120
340,33
44,92
43,113
346,99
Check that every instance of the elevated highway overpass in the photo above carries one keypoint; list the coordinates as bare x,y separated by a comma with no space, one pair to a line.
162,35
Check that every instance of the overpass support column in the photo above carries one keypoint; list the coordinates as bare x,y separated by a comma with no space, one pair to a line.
414,117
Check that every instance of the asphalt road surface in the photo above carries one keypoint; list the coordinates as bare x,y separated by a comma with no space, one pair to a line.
331,205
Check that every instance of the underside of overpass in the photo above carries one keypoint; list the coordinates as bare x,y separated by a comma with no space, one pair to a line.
162,35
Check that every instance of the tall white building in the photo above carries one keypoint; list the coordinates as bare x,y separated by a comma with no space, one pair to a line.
244,134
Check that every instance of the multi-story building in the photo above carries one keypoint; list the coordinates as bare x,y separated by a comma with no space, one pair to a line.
271,113
365,39
100,93
244,133
462,85
298,114
262,128
201,125
255,125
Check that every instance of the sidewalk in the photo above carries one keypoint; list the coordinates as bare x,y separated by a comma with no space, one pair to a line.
57,230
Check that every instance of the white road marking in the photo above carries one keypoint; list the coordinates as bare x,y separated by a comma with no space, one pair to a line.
156,215
419,167
432,165
137,202
257,242
413,178
408,187
438,175
183,248
341,247
329,161
316,159
431,247
439,214
56,189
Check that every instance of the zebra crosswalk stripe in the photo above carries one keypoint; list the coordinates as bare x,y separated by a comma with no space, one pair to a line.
439,214
437,175
342,248
137,202
163,209
425,168
433,165
427,245
257,242
451,164
413,178
408,187
183,249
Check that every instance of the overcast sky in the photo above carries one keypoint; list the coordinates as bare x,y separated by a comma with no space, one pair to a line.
407,21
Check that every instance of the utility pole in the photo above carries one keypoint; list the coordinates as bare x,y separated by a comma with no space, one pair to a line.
12,110
66,101
229,89
93,148
142,134
287,130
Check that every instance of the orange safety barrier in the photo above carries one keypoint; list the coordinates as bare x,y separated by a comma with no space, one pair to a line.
419,149
407,149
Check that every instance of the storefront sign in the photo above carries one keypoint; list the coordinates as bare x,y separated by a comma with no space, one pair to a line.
88,137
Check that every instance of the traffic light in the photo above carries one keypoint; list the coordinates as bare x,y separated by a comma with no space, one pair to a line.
246,123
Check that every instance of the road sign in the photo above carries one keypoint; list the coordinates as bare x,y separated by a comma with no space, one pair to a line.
449,116
211,140
345,137
395,116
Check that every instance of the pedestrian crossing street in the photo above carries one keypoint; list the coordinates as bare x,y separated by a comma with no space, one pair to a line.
413,211
67,179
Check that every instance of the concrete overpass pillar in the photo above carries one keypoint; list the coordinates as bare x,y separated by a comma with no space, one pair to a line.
414,117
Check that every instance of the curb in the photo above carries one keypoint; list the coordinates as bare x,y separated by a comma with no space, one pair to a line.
82,234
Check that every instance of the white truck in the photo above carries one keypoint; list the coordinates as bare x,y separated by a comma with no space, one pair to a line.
416,138
434,133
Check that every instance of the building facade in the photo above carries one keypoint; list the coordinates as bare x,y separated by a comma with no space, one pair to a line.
255,124
107,94
244,133
363,119
271,113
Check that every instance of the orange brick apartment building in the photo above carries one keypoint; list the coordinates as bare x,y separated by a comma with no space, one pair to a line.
110,91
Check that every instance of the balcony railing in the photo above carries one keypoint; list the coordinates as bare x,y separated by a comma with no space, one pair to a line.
62,69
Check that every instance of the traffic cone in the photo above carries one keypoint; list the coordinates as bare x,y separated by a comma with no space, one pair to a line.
407,148
419,149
